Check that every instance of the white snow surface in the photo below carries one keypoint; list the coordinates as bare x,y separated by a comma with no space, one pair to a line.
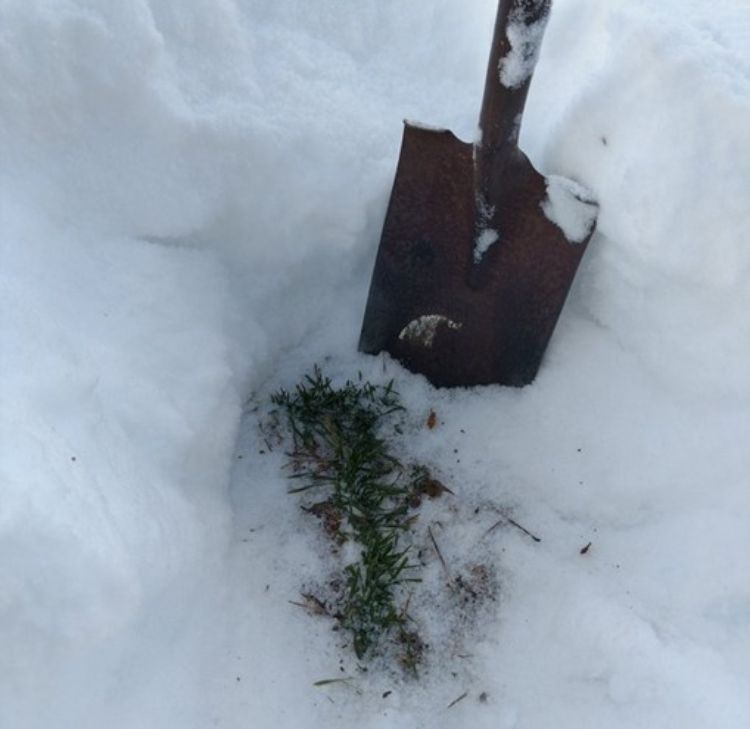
191,200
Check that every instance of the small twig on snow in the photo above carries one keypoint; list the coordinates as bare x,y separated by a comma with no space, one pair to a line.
514,523
460,698
438,552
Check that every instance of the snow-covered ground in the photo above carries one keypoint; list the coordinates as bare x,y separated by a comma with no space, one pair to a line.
191,197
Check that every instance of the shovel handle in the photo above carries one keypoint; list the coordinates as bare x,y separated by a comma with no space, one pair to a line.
519,29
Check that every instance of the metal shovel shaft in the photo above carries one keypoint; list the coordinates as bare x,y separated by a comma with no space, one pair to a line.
513,55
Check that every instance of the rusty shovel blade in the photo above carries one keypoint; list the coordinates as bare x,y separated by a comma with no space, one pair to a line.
478,250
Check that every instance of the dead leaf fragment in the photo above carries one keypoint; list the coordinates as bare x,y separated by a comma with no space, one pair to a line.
433,488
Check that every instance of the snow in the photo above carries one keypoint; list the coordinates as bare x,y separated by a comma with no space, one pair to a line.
485,239
423,126
525,40
422,330
571,207
192,196
486,236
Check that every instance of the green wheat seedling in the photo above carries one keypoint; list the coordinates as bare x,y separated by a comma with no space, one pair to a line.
339,448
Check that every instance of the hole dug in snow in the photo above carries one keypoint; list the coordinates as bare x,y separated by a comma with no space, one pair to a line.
406,573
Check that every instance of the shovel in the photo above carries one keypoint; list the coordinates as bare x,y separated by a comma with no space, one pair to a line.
478,250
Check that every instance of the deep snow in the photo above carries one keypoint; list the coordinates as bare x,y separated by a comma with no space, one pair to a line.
191,197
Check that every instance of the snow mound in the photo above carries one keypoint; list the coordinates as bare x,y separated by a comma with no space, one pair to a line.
659,138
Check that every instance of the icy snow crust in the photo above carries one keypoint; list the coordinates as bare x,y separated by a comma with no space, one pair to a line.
192,195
